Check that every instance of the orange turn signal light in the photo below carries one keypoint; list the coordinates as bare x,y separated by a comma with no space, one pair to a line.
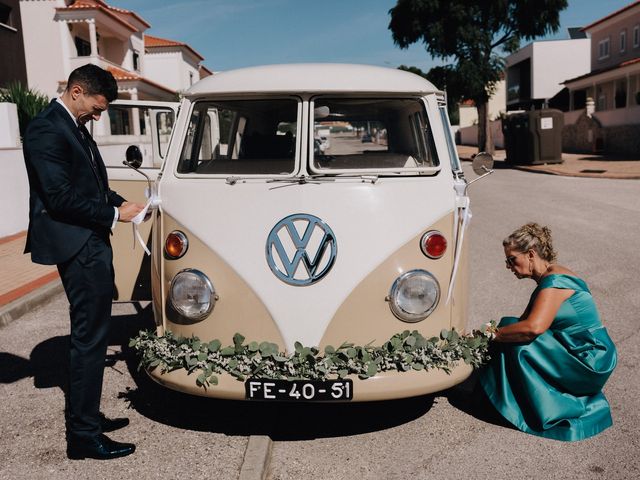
176,245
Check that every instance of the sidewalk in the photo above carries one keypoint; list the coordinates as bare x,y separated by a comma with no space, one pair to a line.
25,285
573,165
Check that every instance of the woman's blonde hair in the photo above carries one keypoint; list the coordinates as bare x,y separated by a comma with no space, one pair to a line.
532,236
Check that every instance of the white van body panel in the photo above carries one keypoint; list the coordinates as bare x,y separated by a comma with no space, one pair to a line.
312,78
238,221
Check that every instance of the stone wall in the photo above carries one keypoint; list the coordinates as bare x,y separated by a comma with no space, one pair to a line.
587,135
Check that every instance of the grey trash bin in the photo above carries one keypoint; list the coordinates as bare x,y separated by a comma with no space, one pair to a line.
534,137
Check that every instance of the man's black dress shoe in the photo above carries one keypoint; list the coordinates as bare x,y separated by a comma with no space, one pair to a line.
111,424
100,448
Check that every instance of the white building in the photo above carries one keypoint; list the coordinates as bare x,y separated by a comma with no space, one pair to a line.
535,73
469,113
61,35
175,64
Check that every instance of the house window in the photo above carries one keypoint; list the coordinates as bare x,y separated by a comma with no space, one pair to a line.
603,48
636,36
83,47
6,18
136,60
623,41
602,101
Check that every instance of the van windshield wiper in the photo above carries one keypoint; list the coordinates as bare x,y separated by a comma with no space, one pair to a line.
304,179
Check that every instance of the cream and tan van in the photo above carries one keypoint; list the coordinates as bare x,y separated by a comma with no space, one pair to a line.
300,205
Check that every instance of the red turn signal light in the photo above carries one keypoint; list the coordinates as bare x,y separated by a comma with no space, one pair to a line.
176,245
433,244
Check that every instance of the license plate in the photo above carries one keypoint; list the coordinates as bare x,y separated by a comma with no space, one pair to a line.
299,390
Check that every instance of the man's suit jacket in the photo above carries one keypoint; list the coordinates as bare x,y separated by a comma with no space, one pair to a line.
69,196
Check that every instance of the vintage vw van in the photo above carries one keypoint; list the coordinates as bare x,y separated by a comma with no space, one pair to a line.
311,204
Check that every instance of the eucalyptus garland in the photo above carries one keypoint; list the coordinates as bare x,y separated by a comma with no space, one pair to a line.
402,352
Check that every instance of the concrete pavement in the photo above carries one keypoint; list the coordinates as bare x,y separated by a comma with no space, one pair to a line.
573,164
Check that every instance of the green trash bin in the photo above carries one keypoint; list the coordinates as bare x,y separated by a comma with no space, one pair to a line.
534,137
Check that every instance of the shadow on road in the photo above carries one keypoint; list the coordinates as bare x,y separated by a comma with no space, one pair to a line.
470,398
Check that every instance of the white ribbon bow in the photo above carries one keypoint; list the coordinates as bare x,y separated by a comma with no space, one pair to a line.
152,203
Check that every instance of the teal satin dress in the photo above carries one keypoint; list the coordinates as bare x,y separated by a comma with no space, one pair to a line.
552,385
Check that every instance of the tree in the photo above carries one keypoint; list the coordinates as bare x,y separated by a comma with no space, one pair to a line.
445,78
471,34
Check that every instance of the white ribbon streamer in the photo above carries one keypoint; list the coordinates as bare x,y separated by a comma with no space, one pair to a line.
152,203
462,217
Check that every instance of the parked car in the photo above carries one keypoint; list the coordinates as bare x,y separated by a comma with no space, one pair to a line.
366,137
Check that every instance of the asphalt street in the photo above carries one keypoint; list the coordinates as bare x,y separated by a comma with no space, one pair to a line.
595,223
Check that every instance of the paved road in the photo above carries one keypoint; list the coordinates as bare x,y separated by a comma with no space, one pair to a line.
595,222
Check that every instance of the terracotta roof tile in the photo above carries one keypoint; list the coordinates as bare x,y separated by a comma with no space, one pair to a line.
107,9
124,75
151,41
603,70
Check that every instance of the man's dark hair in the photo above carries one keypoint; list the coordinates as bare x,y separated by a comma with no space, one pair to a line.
95,81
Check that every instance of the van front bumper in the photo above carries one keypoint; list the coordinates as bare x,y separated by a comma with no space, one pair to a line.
383,386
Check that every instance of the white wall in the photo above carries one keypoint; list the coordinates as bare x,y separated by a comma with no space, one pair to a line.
14,192
171,68
43,47
14,184
555,61
497,105
164,68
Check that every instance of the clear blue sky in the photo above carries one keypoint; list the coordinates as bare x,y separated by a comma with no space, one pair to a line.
238,33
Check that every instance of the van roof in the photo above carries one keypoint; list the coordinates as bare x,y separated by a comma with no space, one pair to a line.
312,78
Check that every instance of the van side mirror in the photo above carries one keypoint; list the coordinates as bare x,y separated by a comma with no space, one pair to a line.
133,157
482,163
133,160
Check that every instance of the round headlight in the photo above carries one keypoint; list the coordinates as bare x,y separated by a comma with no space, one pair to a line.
192,294
414,295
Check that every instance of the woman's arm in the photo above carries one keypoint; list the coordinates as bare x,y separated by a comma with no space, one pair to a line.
537,321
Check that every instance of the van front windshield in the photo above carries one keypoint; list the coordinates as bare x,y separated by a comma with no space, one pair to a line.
372,134
247,137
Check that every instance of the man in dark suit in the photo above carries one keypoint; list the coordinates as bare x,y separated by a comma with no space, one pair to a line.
71,214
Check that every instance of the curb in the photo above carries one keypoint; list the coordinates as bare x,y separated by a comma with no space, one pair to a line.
28,302
257,456
553,171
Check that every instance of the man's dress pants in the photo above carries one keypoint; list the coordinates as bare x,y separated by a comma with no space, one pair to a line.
88,283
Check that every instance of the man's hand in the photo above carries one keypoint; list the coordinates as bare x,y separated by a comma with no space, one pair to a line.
128,210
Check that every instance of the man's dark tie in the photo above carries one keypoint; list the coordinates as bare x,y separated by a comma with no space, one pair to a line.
88,143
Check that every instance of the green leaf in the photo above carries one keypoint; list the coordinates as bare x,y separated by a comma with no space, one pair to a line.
213,380
343,373
372,369
328,350
298,346
417,366
228,351
214,345
238,339
253,347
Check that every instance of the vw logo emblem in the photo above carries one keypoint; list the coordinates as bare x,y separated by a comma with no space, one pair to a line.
301,249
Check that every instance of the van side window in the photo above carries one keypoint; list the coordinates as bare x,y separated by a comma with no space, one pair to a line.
372,134
241,137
